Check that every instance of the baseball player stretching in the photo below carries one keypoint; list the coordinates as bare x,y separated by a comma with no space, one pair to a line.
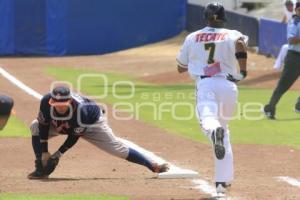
209,55
64,112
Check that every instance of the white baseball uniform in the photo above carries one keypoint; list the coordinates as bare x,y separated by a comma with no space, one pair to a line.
209,55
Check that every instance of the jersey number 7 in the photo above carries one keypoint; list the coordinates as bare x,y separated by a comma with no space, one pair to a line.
211,48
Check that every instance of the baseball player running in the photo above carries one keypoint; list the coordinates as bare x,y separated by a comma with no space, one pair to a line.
6,105
209,55
64,112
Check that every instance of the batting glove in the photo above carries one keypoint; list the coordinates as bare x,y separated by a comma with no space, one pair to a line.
238,77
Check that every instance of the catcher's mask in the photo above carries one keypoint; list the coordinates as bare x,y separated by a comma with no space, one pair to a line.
215,11
60,96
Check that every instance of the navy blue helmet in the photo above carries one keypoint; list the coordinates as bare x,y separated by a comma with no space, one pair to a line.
215,11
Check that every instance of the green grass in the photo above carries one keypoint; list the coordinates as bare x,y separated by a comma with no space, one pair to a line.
15,128
154,104
59,197
283,131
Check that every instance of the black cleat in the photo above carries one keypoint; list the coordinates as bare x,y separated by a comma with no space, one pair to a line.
222,187
218,142
269,112
38,173
297,106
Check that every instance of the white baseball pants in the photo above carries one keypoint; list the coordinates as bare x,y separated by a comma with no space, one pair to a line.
215,104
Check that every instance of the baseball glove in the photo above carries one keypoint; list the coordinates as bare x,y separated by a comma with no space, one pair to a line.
52,163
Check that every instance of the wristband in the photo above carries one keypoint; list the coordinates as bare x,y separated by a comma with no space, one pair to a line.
243,73
241,55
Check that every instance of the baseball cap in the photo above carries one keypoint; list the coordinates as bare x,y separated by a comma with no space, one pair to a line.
6,104
60,95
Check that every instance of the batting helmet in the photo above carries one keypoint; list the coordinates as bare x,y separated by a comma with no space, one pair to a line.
60,94
6,105
215,11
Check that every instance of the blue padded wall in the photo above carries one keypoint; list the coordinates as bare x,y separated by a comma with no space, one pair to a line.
78,27
7,27
30,27
272,35
56,27
95,27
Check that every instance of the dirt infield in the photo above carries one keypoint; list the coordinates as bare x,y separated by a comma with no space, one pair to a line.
86,170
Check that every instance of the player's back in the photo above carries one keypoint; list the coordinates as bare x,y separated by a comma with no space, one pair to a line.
88,109
211,47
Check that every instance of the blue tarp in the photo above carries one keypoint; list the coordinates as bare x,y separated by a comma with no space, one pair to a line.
30,27
95,27
272,35
77,27
7,27
56,27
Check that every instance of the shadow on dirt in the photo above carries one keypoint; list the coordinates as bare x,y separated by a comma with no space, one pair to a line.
79,179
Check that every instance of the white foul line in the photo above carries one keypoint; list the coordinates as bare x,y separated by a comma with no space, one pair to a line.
204,186
289,180
176,172
21,85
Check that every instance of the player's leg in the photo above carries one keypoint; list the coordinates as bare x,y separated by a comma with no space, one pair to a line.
207,112
102,136
36,145
227,98
224,170
214,111
227,106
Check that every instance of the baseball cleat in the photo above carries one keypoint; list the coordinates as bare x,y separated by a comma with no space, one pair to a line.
161,168
218,143
269,112
222,187
297,106
38,173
